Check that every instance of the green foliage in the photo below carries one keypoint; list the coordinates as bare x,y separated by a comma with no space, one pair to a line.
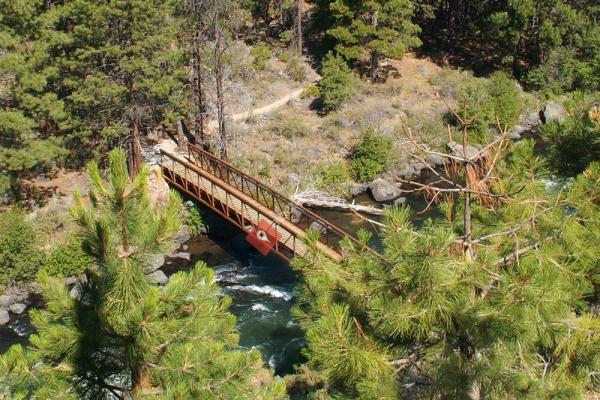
371,157
310,91
296,70
574,143
337,84
286,37
559,52
377,27
20,253
516,321
193,220
487,102
334,178
262,54
125,335
291,126
67,259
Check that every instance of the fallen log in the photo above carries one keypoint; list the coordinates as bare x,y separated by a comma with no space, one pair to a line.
319,199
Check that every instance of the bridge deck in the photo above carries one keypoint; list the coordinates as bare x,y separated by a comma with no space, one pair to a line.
244,201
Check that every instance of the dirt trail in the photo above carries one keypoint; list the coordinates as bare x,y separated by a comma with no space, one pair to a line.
280,102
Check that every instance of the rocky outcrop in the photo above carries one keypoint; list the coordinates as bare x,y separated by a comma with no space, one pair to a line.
553,112
472,153
383,191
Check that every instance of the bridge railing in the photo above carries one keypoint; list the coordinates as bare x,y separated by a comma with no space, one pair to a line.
295,213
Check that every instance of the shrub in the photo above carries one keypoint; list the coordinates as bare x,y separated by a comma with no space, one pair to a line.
506,98
193,220
296,70
262,54
290,126
20,253
338,83
371,157
333,178
575,143
68,259
286,37
285,56
310,91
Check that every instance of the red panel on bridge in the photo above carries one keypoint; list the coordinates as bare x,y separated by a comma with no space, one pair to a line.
263,237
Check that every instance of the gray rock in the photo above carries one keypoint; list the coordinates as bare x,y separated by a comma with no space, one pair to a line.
18,308
553,112
183,235
317,227
533,119
359,189
154,263
183,255
184,247
70,281
382,190
6,300
4,317
400,200
75,293
435,159
458,150
158,277
295,215
189,204
405,171
515,134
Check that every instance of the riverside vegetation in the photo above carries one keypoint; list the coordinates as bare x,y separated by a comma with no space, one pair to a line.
497,104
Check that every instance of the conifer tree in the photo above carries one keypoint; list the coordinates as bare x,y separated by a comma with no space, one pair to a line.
30,113
124,337
512,318
383,28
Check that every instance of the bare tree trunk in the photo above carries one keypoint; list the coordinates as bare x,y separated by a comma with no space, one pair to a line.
298,27
180,133
135,158
199,95
374,54
219,50
467,212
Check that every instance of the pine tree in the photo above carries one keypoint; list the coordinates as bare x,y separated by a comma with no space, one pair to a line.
382,28
30,113
125,337
512,318
337,84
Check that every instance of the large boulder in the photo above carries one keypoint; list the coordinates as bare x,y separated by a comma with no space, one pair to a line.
182,236
18,308
382,190
553,112
153,263
4,317
6,300
158,277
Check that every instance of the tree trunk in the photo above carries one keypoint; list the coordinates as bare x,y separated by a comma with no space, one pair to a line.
219,49
298,27
199,95
467,216
135,158
180,133
374,54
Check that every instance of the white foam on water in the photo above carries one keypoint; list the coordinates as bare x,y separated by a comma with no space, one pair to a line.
272,361
260,307
269,290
